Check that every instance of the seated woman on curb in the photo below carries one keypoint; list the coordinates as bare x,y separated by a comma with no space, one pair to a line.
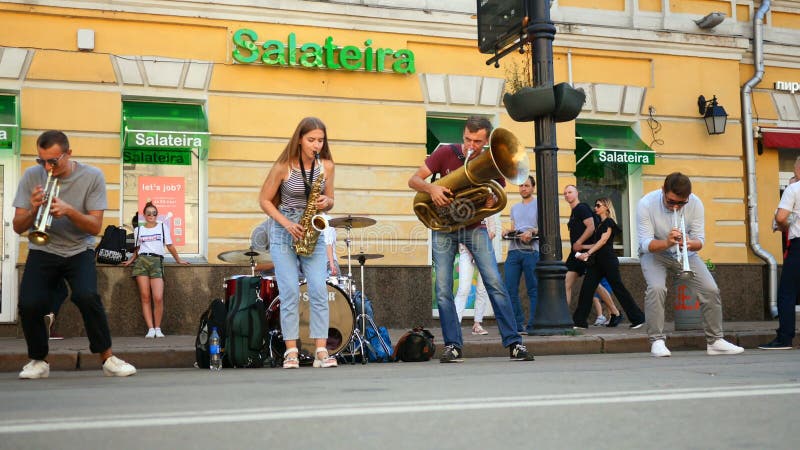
151,238
606,265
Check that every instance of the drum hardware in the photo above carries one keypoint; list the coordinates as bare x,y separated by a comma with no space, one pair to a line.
363,318
249,256
351,222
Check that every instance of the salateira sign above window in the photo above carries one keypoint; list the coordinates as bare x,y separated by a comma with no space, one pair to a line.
329,55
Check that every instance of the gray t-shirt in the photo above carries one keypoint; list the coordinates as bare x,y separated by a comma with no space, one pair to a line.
84,189
525,217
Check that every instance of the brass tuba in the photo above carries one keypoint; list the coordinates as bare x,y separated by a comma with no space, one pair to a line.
473,183
44,218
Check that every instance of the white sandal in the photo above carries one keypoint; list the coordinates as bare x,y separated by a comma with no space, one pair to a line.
291,362
325,361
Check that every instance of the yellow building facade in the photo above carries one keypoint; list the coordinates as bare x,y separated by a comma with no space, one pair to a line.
79,67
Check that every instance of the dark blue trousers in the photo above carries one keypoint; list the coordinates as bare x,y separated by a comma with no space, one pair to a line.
788,288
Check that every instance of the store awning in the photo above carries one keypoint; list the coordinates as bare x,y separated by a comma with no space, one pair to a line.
608,144
163,133
781,137
9,124
444,131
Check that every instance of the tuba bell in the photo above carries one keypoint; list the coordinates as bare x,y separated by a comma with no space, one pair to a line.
472,184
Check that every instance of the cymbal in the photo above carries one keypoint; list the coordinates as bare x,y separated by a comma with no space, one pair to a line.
351,222
356,256
245,256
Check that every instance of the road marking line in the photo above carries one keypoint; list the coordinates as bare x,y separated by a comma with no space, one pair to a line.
362,409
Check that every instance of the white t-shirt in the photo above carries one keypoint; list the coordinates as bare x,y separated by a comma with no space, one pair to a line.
790,201
153,240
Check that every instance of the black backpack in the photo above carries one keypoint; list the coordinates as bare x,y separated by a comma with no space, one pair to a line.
416,345
111,249
214,316
246,325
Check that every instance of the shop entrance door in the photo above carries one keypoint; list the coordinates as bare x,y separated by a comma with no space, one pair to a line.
8,243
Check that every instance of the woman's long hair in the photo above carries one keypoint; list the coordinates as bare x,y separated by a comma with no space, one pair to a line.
292,150
605,201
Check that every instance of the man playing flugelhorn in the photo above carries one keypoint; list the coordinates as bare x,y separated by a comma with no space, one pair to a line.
66,254
659,238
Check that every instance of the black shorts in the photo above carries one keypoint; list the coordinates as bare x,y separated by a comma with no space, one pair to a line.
575,265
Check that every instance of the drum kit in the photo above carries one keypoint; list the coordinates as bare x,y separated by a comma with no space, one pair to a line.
343,332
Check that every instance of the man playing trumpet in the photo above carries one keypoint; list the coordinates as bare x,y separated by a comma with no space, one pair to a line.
660,238
62,250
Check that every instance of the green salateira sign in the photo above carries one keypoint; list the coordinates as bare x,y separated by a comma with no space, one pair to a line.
163,133
8,134
329,55
8,122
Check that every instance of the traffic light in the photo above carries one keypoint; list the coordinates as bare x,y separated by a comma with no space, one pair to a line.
562,101
500,22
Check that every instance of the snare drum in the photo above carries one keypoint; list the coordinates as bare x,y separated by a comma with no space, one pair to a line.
341,324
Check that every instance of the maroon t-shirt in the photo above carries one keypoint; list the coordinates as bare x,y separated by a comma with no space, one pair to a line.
444,160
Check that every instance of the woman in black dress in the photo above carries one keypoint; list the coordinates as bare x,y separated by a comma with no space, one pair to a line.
603,262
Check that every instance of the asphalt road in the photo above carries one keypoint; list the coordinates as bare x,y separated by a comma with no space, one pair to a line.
588,401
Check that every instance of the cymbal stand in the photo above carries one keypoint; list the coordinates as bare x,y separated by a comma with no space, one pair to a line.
364,318
252,266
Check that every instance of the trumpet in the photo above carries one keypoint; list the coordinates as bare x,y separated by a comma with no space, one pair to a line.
682,249
44,218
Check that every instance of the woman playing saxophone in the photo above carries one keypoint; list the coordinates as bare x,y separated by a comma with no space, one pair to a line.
303,171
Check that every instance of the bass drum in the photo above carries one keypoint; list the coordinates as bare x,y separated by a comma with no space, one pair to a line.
341,324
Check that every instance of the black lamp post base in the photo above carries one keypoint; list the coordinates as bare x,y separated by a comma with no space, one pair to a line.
552,313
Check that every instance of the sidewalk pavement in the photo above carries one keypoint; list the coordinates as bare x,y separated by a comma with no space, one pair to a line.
178,350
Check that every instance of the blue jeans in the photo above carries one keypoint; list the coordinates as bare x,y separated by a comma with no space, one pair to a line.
445,249
521,262
287,275
787,293
43,283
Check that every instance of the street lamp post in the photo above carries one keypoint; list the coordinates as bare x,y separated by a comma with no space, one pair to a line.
552,314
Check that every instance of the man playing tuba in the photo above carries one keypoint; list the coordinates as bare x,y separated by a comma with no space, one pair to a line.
444,160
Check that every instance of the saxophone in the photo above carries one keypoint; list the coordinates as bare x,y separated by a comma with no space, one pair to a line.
311,222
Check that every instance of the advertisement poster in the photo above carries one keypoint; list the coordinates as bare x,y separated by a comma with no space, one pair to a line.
167,194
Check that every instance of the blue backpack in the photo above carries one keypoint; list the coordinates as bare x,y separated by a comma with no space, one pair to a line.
377,352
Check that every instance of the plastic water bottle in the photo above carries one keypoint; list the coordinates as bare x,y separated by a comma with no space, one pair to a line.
215,361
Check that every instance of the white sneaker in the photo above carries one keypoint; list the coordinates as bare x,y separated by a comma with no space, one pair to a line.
115,367
151,333
159,334
36,368
601,320
659,349
723,347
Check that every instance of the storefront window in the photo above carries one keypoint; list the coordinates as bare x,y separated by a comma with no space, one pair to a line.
164,150
444,130
609,160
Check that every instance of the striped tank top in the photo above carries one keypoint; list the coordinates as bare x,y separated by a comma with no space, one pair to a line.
293,191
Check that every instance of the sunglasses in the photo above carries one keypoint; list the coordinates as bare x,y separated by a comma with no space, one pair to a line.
52,161
676,202
151,213
597,205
